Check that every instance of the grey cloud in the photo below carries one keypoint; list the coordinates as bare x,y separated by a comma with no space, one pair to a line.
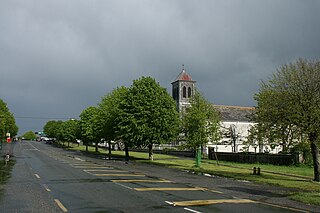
58,57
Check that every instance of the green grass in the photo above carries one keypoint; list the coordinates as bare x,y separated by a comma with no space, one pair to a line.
307,197
309,191
294,170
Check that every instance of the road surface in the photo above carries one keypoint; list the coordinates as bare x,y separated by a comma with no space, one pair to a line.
49,179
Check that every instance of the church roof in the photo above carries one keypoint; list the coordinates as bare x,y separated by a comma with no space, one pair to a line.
183,76
234,113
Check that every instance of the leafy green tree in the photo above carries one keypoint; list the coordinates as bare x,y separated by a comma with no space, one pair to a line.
7,121
200,124
109,109
91,126
147,115
29,135
70,130
52,128
290,101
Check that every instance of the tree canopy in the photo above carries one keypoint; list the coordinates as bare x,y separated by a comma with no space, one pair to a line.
29,135
200,124
289,106
147,115
52,129
91,126
7,121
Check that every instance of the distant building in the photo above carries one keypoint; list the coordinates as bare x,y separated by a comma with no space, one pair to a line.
233,118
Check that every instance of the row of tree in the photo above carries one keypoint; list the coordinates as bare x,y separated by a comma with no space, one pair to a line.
141,115
7,122
287,113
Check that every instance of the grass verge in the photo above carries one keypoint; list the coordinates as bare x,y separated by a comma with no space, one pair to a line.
299,179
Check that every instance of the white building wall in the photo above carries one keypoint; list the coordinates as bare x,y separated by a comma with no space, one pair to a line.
242,131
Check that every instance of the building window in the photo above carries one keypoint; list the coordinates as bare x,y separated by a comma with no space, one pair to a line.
189,92
184,92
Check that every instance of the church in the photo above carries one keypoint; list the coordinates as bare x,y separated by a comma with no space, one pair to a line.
234,119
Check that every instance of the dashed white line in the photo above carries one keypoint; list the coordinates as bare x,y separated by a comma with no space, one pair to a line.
191,210
64,209
168,202
37,176
127,187
47,188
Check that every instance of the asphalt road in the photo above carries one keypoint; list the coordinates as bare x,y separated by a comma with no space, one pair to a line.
49,179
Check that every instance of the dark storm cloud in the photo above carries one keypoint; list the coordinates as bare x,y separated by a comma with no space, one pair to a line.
59,57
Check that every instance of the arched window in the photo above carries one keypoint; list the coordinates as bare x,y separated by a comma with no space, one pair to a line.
189,92
184,92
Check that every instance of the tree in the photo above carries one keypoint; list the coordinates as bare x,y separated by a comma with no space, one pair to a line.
52,128
70,130
109,109
147,115
200,124
90,126
29,136
7,121
290,101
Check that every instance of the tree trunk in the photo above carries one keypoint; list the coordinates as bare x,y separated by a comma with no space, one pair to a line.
150,152
86,146
198,156
109,150
127,152
315,156
97,149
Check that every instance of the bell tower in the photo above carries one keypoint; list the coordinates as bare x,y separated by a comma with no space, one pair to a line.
183,89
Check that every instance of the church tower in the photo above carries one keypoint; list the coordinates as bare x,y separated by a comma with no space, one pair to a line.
183,89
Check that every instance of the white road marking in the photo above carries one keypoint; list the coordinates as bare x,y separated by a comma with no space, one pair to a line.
79,159
37,176
168,202
64,209
47,188
191,210
127,187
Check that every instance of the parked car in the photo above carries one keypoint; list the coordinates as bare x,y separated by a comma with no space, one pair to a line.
47,140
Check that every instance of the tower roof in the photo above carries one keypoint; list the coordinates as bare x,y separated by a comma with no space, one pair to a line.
183,76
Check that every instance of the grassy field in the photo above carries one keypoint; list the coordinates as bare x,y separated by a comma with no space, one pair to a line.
295,177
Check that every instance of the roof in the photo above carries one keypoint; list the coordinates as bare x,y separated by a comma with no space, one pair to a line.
234,113
184,76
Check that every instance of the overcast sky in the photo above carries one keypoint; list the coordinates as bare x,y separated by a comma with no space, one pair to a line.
58,57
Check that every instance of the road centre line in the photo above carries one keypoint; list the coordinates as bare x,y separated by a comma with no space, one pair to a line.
168,202
34,147
191,210
210,202
146,181
169,189
37,176
127,187
47,188
61,206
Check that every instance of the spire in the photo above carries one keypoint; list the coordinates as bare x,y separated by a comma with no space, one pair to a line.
184,76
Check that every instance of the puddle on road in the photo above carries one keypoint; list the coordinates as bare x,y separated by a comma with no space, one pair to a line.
5,173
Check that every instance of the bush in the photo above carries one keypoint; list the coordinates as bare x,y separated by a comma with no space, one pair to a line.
305,149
